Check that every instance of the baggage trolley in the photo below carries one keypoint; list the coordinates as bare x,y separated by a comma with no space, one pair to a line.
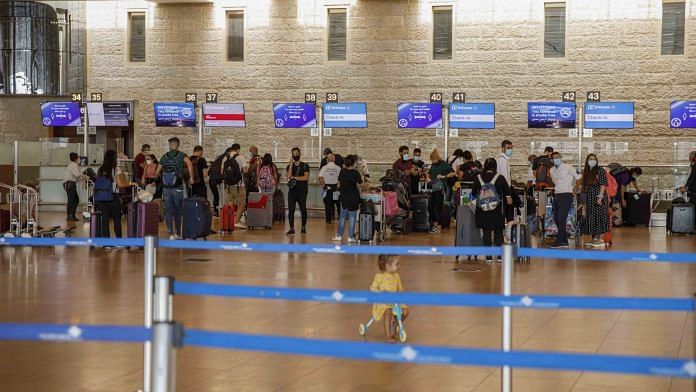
88,208
14,197
376,195
30,201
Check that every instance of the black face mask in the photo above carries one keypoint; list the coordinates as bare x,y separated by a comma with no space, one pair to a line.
295,158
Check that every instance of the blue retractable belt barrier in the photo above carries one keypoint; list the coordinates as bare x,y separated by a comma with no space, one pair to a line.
73,333
437,299
688,258
19,241
668,367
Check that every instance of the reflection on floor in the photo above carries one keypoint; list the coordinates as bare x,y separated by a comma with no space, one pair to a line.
99,287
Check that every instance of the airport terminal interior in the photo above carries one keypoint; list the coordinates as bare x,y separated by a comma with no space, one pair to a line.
348,195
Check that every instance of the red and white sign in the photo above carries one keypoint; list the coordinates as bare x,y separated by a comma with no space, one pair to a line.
224,115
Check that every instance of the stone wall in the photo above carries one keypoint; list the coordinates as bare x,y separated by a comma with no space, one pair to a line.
612,46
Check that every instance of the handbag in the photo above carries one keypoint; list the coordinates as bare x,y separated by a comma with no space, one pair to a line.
292,183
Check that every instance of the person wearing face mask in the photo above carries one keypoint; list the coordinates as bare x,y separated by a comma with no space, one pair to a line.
564,177
690,186
594,184
405,167
503,161
418,164
338,159
297,174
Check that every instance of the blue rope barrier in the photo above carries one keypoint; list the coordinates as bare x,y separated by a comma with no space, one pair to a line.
436,299
687,258
667,367
332,249
37,241
73,333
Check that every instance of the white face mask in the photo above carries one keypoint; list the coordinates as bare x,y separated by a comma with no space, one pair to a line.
591,163
149,161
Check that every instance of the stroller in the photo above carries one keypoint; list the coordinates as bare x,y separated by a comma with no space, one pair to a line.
398,314
401,222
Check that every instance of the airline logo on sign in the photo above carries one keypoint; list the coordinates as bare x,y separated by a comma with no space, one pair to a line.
224,115
612,115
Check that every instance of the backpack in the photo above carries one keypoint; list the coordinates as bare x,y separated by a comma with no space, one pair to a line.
232,174
612,185
616,168
103,189
267,177
488,199
196,173
543,175
171,169
215,170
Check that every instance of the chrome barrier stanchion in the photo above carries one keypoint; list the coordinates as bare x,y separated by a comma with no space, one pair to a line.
149,273
165,336
509,253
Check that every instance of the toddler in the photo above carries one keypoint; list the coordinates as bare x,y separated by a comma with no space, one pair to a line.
388,280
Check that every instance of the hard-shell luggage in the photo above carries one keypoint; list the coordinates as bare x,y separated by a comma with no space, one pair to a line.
445,215
520,235
260,210
4,221
278,206
95,224
421,218
198,218
680,218
637,209
468,234
367,227
402,222
143,220
227,219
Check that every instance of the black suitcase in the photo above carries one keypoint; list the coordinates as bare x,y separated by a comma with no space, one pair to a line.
680,218
421,218
402,223
445,215
367,228
637,209
198,218
520,236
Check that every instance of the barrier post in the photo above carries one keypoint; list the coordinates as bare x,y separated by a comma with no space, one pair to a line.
508,264
163,337
149,275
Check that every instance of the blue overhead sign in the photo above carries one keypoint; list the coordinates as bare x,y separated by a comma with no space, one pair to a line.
472,115
609,115
551,114
682,114
345,115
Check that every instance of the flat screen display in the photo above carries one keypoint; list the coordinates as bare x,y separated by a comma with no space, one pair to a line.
175,114
345,115
419,115
472,115
609,115
551,114
224,115
108,114
294,115
682,114
61,114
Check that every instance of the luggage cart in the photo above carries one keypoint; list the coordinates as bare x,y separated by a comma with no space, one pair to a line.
376,195
14,197
30,202
88,208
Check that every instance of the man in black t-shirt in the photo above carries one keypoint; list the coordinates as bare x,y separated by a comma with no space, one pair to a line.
297,173
200,168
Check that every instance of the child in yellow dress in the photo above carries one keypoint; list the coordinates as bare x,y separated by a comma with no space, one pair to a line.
387,280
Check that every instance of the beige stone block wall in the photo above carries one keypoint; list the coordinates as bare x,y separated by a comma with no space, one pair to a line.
612,46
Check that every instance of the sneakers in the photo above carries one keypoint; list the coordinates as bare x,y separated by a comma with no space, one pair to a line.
597,244
434,230
290,232
304,230
240,225
337,239
172,237
352,240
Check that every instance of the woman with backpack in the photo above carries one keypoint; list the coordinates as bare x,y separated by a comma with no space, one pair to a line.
107,200
267,175
594,185
492,193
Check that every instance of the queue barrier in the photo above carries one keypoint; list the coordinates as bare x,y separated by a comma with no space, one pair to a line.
165,335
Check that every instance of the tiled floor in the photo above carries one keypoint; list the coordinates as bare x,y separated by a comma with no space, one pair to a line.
98,287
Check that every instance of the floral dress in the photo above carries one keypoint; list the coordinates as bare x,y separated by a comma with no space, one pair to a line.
387,282
596,216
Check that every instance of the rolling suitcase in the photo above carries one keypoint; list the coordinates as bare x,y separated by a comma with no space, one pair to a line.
367,227
143,220
227,219
95,223
637,209
468,234
278,206
198,218
421,218
520,235
4,221
260,210
445,215
680,219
